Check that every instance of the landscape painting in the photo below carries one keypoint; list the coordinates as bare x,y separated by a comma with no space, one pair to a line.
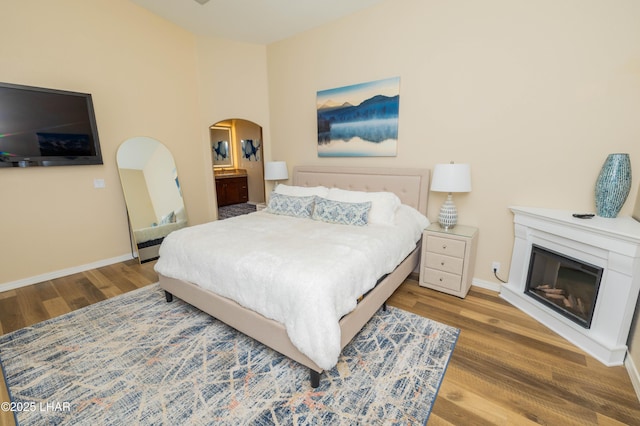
359,120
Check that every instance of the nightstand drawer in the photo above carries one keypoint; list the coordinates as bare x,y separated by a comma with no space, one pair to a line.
446,246
445,263
446,280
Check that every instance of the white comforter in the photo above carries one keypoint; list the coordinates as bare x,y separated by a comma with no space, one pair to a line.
302,273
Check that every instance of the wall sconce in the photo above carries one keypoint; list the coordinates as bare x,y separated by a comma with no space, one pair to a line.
276,171
450,178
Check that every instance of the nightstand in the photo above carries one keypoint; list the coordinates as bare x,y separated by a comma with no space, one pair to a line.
448,258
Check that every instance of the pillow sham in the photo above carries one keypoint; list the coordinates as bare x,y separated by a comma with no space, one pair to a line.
289,205
301,191
341,212
383,204
407,213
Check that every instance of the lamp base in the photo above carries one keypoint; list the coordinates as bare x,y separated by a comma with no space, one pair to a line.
448,216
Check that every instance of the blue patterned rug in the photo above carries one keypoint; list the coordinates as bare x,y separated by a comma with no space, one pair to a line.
136,359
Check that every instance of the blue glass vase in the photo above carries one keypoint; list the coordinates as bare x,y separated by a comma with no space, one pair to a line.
613,185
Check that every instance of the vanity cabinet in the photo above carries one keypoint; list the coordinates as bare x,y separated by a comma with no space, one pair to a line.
231,188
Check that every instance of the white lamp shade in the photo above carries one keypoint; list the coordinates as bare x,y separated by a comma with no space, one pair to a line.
275,170
451,178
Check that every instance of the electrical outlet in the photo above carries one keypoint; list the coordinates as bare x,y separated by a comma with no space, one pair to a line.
98,183
495,267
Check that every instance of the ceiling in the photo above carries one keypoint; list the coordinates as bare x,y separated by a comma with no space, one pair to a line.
252,21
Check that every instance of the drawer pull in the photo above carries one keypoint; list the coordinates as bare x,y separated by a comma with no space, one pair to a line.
441,263
440,279
449,247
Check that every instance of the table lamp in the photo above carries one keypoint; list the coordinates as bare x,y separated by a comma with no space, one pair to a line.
450,178
276,171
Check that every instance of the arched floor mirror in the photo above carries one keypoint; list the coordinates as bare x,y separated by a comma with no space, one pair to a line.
152,194
238,168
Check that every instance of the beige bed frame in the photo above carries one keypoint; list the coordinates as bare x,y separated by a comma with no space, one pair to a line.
411,185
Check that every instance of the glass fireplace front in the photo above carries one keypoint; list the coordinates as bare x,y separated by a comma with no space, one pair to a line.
566,285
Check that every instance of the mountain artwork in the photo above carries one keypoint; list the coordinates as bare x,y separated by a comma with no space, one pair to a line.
359,120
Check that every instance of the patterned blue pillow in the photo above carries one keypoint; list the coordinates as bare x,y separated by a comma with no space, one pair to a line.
290,205
341,212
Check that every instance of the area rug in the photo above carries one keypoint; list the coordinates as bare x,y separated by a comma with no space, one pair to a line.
136,359
225,212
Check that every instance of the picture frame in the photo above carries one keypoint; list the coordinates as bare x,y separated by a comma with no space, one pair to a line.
221,147
251,149
360,120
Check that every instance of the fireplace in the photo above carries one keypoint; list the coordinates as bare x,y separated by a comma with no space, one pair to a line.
567,285
590,269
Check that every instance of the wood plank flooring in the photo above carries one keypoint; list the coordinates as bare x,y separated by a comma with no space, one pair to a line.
506,369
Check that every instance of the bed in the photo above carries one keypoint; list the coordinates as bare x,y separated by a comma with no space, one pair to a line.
411,188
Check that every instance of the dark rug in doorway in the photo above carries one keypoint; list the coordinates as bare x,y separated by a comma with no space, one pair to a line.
136,359
225,212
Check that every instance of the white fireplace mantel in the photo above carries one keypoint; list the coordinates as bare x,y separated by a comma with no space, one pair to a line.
612,244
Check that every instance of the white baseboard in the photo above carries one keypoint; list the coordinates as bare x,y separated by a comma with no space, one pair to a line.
63,272
486,284
634,375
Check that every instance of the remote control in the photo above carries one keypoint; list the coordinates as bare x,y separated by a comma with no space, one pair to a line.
583,215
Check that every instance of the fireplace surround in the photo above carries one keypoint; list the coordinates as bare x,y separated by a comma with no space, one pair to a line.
609,247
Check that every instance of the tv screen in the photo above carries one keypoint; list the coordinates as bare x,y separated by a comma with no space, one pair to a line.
46,127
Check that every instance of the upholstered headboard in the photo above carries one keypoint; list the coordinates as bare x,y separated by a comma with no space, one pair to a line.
411,185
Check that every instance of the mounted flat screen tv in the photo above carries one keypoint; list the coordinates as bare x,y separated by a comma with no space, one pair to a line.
46,127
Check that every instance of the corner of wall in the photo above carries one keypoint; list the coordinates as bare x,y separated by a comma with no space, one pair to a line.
634,375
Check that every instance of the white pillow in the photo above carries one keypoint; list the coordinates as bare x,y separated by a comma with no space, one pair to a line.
407,213
383,204
301,191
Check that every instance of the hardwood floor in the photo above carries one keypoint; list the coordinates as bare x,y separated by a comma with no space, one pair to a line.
29,305
506,369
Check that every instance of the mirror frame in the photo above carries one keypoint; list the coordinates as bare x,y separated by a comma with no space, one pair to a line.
221,147
139,193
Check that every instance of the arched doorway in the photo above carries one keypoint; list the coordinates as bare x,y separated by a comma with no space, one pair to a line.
238,166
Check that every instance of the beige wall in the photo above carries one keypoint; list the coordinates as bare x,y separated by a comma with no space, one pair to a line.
142,73
148,77
233,85
255,170
533,94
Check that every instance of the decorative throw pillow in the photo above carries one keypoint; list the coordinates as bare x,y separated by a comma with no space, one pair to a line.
383,204
290,205
341,212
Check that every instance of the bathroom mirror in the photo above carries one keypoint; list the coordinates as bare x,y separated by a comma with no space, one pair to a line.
152,193
221,146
